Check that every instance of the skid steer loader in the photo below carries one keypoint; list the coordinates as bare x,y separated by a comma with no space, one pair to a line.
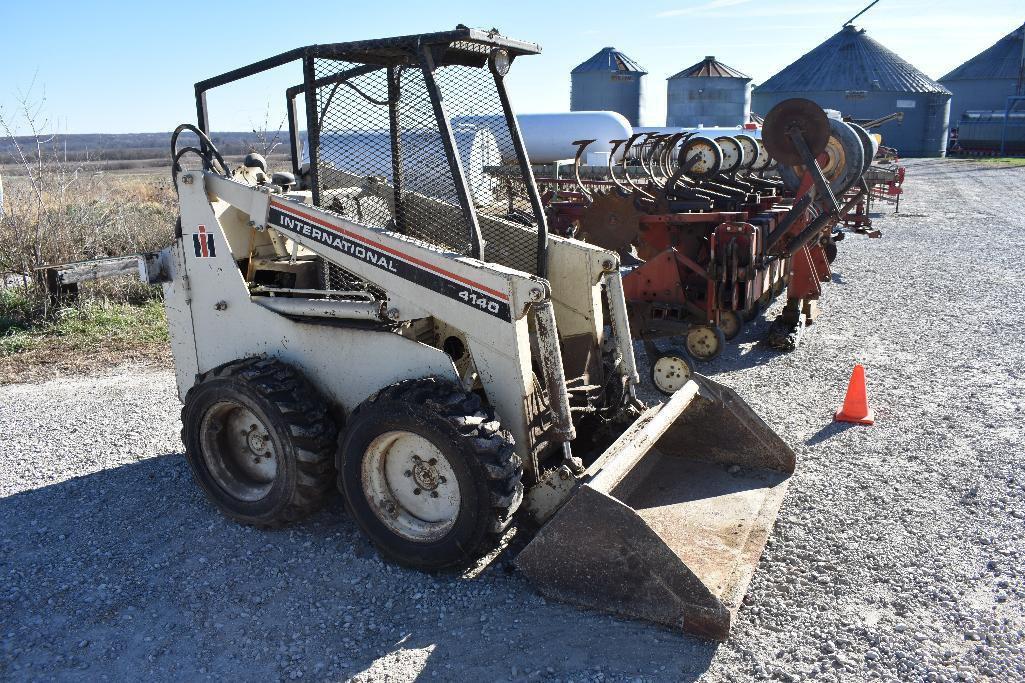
392,317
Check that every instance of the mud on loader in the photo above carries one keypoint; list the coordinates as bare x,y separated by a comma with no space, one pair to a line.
382,319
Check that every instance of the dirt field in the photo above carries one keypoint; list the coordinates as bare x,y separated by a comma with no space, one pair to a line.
898,554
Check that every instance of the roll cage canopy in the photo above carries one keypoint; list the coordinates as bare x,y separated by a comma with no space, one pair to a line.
458,110
380,52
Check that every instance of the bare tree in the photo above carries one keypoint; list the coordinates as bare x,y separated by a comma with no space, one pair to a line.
265,140
25,226
55,213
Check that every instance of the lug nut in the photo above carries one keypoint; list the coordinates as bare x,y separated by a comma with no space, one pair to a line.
407,473
417,492
434,494
432,461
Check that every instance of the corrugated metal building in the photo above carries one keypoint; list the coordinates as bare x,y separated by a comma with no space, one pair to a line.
854,74
608,81
986,80
708,93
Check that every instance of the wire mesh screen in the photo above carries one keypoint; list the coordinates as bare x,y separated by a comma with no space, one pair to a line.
490,162
387,166
381,172
335,279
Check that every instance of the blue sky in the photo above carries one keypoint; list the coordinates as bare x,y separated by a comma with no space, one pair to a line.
129,66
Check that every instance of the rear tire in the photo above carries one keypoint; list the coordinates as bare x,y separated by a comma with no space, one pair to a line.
429,474
260,441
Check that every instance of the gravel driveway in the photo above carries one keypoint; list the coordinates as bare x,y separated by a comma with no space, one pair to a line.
898,553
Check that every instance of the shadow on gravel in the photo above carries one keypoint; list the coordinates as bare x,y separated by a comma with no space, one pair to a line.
743,355
828,432
130,573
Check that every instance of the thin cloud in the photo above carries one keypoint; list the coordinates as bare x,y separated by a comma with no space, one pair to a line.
712,5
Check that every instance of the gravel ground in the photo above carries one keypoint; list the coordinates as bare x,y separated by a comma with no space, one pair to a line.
898,553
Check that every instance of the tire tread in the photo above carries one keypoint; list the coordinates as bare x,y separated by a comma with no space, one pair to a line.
498,464
311,429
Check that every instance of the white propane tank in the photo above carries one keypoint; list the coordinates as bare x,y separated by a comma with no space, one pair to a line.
713,132
549,137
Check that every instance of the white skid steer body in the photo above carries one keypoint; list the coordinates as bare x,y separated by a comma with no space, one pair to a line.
368,291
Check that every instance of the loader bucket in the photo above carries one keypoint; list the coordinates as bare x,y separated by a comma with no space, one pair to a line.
669,523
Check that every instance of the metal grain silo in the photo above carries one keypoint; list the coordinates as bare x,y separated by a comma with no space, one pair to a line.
857,76
608,81
708,93
986,80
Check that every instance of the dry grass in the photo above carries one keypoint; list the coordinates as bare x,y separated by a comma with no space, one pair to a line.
55,214
71,217
58,210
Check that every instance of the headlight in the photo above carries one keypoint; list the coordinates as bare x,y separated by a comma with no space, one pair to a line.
500,61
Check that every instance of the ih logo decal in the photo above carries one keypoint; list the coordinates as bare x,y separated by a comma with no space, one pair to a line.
204,243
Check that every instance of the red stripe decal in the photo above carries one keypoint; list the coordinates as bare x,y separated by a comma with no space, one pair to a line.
382,247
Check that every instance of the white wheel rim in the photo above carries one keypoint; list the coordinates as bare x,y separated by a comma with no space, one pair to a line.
730,152
702,342
706,156
750,151
671,373
762,160
411,486
239,450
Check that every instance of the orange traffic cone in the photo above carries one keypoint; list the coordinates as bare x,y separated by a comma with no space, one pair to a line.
855,404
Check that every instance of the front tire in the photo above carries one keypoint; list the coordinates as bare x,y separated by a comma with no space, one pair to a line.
429,474
260,441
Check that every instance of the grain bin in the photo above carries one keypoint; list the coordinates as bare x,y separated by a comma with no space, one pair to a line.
852,73
985,81
708,93
608,81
